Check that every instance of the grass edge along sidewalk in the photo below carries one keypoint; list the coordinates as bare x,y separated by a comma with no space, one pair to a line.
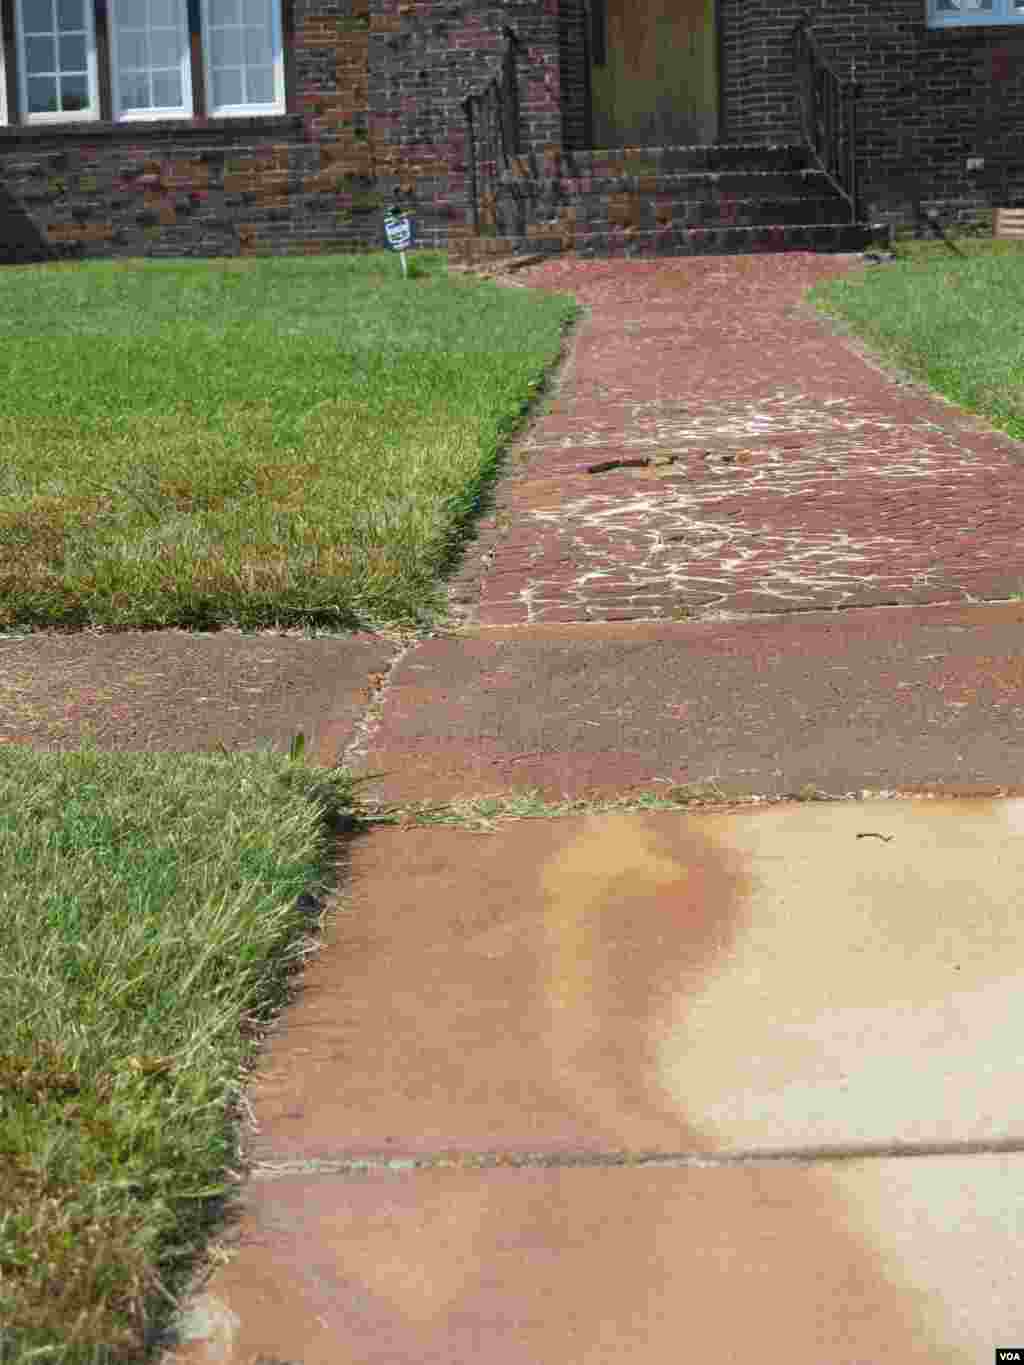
272,442
949,321
153,911
154,907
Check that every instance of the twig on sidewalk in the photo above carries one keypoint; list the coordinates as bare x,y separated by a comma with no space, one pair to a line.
631,462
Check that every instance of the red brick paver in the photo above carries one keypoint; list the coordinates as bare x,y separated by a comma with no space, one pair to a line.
804,477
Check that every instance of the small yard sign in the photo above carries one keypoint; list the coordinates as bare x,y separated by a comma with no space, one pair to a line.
399,232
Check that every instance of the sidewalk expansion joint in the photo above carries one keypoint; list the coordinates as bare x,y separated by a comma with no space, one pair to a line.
800,1156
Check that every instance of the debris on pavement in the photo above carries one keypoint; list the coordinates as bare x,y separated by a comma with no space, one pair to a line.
632,462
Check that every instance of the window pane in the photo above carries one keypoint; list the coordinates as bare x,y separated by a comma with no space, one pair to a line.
71,15
224,12
74,92
227,88
242,53
134,90
150,55
963,6
40,55
259,81
42,94
167,93
72,53
38,16
131,50
226,47
257,48
164,47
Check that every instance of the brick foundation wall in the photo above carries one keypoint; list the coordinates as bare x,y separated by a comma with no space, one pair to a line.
211,192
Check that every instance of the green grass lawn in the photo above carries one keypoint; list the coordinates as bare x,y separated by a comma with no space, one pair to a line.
197,444
953,322
150,919
252,443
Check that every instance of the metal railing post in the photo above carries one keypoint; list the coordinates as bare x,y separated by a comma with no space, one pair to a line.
828,115
492,115
467,105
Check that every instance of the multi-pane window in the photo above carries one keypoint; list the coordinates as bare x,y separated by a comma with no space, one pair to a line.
151,60
243,55
950,13
56,60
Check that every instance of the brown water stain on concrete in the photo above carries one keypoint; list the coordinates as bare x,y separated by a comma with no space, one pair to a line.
685,983
500,990
806,977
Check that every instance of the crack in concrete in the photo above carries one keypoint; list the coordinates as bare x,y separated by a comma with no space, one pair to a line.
369,722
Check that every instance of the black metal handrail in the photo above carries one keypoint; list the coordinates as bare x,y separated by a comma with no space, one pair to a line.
828,115
492,126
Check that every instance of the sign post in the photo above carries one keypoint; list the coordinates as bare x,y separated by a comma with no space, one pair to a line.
399,232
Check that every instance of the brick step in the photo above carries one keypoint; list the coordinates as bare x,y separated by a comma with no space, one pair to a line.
716,241
647,213
690,185
636,161
723,241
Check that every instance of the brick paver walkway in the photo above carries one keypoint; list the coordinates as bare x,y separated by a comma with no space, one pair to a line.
804,477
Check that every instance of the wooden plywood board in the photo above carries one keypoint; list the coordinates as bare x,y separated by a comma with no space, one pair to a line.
1009,223
659,83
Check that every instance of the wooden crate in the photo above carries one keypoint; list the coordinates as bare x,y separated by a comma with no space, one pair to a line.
1009,223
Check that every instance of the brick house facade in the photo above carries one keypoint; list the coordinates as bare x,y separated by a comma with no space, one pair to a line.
221,127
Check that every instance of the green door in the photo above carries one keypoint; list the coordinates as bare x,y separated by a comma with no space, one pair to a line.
655,72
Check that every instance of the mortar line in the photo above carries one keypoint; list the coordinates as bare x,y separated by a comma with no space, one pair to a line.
798,1156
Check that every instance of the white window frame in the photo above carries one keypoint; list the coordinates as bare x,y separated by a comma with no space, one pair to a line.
187,107
1002,12
89,115
277,106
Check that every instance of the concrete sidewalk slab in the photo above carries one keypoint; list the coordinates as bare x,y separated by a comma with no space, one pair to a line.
881,699
187,691
799,978
883,1262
